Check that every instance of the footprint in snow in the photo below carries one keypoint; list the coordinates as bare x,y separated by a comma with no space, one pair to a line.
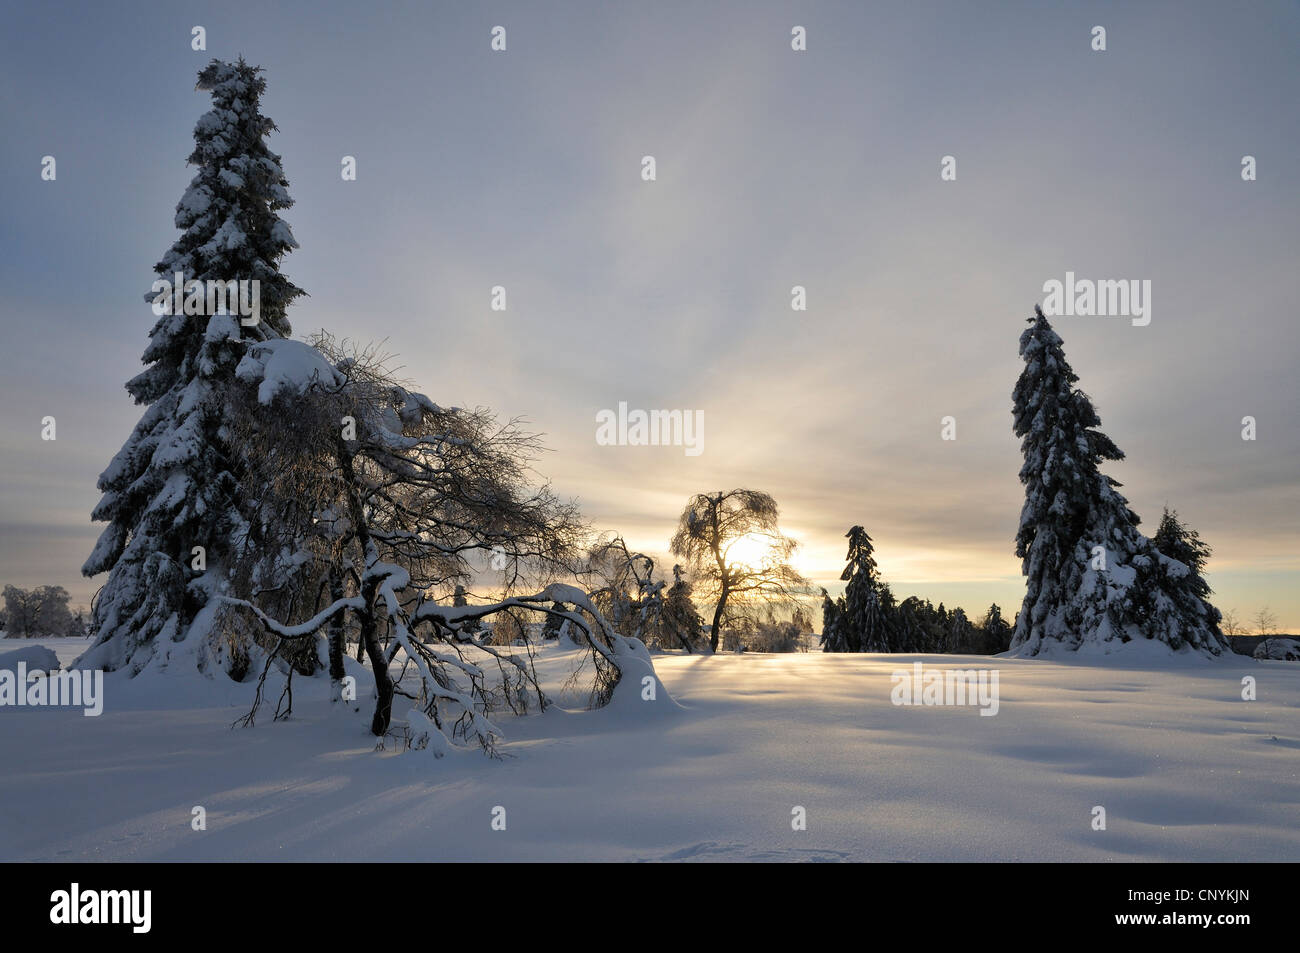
706,851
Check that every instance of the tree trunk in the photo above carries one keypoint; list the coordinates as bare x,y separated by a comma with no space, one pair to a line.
378,662
369,590
336,647
723,590
717,621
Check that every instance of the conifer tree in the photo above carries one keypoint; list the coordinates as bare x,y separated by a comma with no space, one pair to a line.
1091,576
909,629
459,599
832,637
960,635
553,624
1171,597
893,638
865,627
1064,491
681,618
997,633
177,513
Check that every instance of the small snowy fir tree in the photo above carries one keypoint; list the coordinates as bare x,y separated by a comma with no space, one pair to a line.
1091,576
459,600
865,626
554,622
909,632
175,485
997,633
1171,598
681,619
960,637
832,637
889,610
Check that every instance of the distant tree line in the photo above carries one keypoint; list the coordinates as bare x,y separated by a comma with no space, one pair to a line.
869,618
43,611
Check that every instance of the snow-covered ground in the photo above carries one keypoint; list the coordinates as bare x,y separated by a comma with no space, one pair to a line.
1185,769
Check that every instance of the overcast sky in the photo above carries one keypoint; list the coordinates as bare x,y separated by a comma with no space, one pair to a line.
774,169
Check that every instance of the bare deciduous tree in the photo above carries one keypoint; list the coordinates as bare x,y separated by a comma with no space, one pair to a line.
637,603
710,527
1265,622
375,495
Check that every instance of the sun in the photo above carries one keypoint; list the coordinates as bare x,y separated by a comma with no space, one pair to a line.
752,549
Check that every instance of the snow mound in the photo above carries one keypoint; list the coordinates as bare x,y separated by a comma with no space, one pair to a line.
1122,652
1283,649
640,694
36,657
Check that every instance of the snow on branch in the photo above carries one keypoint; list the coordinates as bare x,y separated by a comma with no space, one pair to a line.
303,630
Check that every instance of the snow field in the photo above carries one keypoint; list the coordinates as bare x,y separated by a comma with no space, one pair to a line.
1185,769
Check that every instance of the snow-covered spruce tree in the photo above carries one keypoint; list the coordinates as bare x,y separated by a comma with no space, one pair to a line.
1070,506
960,638
889,610
913,624
1171,597
865,627
1082,554
909,633
682,620
175,484
554,621
832,636
1178,541
459,599
996,631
